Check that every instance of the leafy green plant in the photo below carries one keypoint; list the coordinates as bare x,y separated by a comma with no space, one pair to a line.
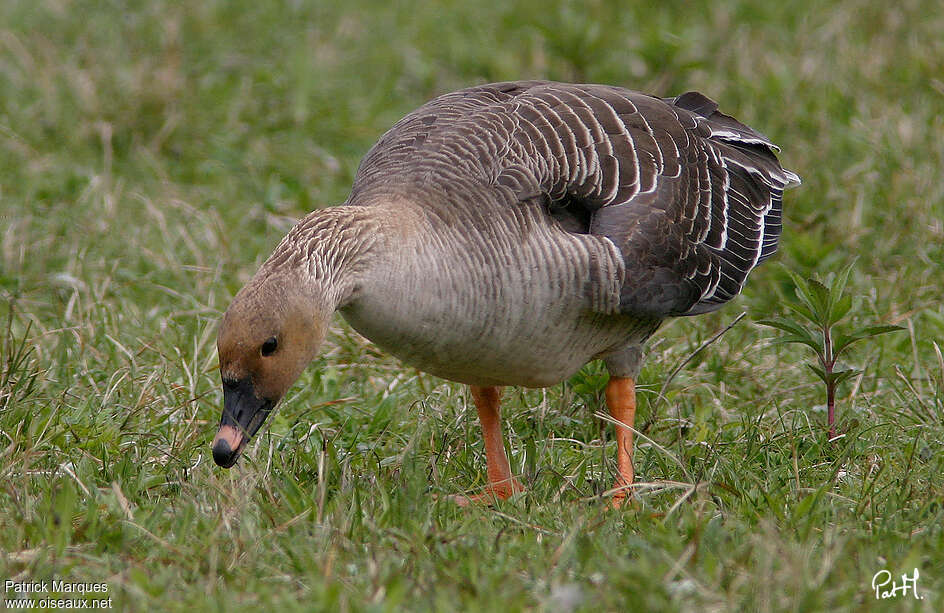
817,310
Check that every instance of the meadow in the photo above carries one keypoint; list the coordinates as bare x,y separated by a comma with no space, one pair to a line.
153,153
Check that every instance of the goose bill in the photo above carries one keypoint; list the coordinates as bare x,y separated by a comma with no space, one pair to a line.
243,415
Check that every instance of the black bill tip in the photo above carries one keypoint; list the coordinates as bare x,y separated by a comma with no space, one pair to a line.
226,446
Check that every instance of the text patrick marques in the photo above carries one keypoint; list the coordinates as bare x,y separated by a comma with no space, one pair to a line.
56,594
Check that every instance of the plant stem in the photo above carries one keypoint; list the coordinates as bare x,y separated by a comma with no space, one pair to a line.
831,409
828,365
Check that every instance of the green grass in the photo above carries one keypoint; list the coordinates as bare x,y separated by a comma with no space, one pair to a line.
153,153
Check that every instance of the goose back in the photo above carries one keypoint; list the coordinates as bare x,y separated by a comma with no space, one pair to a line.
689,196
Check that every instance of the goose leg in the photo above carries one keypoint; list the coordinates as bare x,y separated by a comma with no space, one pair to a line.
621,400
501,483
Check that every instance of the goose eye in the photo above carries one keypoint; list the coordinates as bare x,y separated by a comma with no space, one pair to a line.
269,347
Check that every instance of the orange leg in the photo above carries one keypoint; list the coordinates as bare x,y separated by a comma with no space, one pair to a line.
501,483
621,400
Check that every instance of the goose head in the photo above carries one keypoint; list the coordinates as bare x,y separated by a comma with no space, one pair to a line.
268,335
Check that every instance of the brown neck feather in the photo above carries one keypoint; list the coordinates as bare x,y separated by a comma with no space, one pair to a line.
328,249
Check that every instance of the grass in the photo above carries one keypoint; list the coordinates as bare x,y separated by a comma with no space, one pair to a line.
153,153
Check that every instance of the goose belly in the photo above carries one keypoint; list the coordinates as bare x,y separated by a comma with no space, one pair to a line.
495,297
507,328
534,352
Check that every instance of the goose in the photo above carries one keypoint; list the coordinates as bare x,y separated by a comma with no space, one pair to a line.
506,235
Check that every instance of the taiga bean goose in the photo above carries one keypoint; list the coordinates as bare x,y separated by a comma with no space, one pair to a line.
507,234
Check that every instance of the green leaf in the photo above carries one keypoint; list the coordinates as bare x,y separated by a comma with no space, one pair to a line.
834,377
820,299
790,339
838,376
819,373
795,333
802,290
876,330
798,281
839,308
843,341
837,284
786,325
809,301
801,309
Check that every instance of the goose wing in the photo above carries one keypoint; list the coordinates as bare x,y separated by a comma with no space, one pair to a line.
689,195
